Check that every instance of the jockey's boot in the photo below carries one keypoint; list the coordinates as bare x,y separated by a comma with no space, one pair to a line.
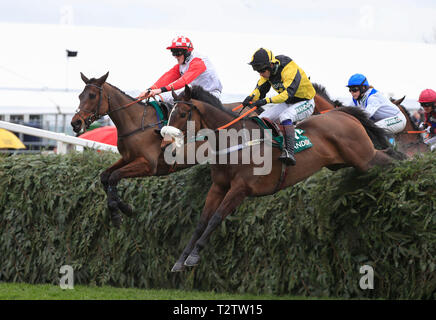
287,155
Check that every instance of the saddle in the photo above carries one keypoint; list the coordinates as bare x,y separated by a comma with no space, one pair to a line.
301,142
163,110
166,108
276,128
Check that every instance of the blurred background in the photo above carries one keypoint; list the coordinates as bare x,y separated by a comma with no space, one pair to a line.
46,44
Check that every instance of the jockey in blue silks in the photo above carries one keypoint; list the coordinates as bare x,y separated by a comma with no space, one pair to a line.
380,109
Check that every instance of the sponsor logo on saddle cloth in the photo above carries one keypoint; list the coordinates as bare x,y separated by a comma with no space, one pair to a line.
301,142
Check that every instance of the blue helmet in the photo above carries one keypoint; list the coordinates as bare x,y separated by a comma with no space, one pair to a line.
358,80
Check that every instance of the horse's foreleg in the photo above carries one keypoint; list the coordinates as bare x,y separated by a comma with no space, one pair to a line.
137,168
231,201
104,179
104,176
213,200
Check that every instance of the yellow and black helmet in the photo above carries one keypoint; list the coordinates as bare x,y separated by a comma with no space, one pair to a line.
262,59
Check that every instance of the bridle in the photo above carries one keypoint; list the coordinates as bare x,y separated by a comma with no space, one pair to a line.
192,107
95,115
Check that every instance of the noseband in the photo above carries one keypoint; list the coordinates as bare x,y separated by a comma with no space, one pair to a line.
94,115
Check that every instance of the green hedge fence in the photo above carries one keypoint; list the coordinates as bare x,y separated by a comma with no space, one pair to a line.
310,239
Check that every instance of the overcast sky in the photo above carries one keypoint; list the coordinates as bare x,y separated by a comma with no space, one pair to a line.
399,20
329,39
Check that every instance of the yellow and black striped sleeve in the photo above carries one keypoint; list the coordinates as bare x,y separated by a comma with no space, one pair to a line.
291,79
262,88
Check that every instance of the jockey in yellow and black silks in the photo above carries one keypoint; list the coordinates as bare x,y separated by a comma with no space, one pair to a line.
294,101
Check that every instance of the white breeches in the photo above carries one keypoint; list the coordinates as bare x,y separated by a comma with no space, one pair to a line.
295,112
393,124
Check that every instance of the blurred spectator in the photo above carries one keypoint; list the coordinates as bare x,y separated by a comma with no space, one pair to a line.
427,99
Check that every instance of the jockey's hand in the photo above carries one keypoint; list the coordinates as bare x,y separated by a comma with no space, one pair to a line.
247,101
422,126
429,129
155,92
145,94
259,103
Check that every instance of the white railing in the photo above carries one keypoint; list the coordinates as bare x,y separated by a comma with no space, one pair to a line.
65,142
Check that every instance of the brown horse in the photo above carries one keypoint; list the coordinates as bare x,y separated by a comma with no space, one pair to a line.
138,126
138,143
409,141
340,138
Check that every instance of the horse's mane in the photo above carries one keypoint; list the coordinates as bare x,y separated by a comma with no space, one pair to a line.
321,90
409,117
93,80
377,135
198,93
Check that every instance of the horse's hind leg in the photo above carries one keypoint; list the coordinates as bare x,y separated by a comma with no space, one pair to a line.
213,200
231,201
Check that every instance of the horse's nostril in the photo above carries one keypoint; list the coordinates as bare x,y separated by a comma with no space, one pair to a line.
76,125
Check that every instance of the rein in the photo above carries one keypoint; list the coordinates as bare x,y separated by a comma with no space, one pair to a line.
95,115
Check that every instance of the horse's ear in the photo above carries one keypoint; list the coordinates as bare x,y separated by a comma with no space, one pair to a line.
173,93
84,78
397,102
400,101
102,79
188,92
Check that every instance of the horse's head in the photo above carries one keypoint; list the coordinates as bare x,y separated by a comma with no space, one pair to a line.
184,110
92,105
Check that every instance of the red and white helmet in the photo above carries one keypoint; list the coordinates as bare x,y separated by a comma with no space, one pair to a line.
427,95
181,42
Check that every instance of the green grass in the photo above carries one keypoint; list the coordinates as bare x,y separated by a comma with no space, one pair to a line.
23,291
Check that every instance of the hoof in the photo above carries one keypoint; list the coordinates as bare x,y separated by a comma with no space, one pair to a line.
125,208
192,260
117,220
178,267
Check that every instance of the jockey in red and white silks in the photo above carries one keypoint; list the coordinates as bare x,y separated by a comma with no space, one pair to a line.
192,68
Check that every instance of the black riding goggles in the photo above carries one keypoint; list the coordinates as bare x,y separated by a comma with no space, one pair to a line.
261,69
354,89
178,52
427,104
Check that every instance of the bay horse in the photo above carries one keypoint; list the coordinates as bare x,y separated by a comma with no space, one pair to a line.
409,141
341,138
138,126
138,143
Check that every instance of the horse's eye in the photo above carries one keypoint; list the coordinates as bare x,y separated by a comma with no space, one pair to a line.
183,114
92,96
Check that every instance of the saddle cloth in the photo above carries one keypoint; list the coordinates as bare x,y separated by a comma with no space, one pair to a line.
301,142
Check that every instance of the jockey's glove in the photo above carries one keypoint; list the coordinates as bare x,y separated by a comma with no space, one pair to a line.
429,129
259,103
247,101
